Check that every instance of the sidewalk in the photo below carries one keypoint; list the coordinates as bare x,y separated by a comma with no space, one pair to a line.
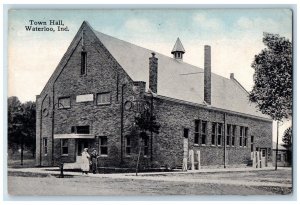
168,176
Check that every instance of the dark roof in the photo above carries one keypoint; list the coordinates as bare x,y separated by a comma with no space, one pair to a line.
178,47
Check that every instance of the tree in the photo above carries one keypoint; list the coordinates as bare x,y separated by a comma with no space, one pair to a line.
287,140
287,137
21,124
272,89
146,122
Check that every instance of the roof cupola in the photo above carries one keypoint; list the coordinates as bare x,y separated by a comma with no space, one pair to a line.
178,50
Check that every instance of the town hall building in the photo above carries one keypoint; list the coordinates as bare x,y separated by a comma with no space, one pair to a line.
102,84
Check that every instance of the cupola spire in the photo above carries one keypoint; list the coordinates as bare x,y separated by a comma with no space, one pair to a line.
178,50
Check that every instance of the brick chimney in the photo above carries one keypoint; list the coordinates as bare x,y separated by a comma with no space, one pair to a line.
207,74
153,73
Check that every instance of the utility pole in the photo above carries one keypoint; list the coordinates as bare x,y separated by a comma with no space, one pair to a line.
224,140
276,145
122,120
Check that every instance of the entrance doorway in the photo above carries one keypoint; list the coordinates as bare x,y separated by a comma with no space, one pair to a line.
81,144
263,157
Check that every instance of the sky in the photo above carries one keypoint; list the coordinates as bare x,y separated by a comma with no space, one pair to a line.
235,37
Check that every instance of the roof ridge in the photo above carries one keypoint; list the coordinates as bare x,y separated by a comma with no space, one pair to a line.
182,62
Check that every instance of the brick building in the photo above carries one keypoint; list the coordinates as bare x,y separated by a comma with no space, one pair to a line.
102,83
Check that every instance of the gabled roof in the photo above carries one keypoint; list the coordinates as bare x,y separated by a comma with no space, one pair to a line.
172,79
178,47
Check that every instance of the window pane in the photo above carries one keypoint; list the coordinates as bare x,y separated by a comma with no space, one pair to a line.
197,125
203,139
219,128
103,98
64,102
103,150
186,133
65,150
83,129
196,139
83,63
203,127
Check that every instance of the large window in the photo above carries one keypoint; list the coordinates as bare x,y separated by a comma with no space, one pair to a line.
128,145
203,132
103,146
45,144
64,102
197,134
213,133
80,129
228,135
83,63
103,98
220,134
252,143
233,135
64,147
246,137
243,136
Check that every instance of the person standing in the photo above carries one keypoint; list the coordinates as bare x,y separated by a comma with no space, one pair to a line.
94,157
85,161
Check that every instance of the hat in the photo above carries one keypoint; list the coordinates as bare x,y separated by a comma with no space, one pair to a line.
85,149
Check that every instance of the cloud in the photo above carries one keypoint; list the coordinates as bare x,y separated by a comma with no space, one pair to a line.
207,23
139,25
260,25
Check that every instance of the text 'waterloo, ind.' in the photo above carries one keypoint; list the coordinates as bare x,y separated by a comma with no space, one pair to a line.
50,25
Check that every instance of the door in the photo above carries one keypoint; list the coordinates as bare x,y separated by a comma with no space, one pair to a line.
81,144
263,157
185,149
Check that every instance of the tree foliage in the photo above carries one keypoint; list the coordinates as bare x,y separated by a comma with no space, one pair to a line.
146,122
21,124
273,77
287,137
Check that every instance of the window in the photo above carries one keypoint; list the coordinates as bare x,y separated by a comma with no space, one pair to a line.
103,145
64,147
83,63
146,146
186,133
45,143
64,102
203,132
219,134
233,135
213,133
80,129
246,137
228,136
85,98
103,98
128,145
252,143
197,134
278,157
241,135
263,152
